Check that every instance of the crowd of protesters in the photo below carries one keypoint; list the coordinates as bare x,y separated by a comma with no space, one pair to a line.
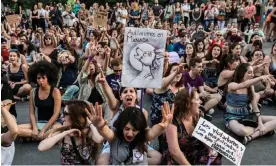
69,70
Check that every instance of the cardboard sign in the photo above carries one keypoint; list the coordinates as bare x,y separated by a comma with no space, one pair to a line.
219,141
143,60
174,57
11,19
100,19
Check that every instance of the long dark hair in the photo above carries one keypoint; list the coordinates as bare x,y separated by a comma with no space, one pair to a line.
209,54
136,118
238,78
196,44
194,52
225,60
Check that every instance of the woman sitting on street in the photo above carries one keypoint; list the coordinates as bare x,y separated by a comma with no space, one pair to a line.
242,101
46,99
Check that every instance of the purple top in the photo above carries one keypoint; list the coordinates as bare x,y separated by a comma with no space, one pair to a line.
197,82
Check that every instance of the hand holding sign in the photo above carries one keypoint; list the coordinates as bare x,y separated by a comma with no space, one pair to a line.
219,141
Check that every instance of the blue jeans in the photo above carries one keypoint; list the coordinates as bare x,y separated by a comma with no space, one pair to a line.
70,92
176,18
208,22
221,24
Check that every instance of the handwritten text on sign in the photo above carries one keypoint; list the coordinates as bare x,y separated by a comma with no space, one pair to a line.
219,141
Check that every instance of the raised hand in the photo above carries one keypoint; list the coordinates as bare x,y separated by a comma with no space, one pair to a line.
96,116
167,115
180,68
101,79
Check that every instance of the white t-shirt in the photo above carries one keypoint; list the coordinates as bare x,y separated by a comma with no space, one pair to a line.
186,7
120,19
42,13
7,154
67,19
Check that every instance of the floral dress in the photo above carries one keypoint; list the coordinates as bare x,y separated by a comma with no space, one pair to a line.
195,151
71,156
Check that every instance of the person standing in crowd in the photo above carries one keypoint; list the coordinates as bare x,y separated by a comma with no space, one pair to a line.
34,16
42,17
68,17
157,10
16,7
186,9
122,14
250,11
55,17
272,23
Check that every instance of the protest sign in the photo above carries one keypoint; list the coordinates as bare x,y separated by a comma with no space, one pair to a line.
174,57
219,141
11,19
100,19
143,60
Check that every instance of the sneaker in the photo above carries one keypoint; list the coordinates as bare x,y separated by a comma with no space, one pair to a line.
211,111
268,40
208,117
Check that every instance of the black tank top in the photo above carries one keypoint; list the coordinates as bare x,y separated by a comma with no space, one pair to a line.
16,77
95,97
45,108
34,14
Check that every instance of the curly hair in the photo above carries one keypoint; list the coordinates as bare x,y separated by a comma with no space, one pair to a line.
183,102
44,68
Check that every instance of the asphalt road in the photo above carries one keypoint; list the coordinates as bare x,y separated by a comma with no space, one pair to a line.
261,151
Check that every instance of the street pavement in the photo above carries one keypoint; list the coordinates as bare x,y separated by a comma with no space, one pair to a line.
261,151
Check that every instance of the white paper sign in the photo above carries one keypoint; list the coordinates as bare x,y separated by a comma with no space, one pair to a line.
143,59
174,57
219,141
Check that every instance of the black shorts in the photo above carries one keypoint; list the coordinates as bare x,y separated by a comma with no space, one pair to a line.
16,88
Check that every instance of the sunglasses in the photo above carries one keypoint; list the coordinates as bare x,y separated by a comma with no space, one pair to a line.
116,71
219,35
48,39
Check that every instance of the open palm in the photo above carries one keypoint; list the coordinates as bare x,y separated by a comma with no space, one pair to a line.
96,115
167,114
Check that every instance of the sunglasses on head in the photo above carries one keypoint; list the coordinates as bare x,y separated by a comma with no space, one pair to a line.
65,113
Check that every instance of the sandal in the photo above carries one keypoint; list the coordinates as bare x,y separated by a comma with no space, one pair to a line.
246,139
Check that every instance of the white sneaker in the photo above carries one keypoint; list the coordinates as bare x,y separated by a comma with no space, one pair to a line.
211,111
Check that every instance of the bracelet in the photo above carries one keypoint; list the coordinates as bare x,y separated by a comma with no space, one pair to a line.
90,125
90,58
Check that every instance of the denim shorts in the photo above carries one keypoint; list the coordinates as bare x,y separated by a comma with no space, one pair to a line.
235,113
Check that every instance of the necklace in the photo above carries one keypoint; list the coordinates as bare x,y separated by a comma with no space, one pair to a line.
137,155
